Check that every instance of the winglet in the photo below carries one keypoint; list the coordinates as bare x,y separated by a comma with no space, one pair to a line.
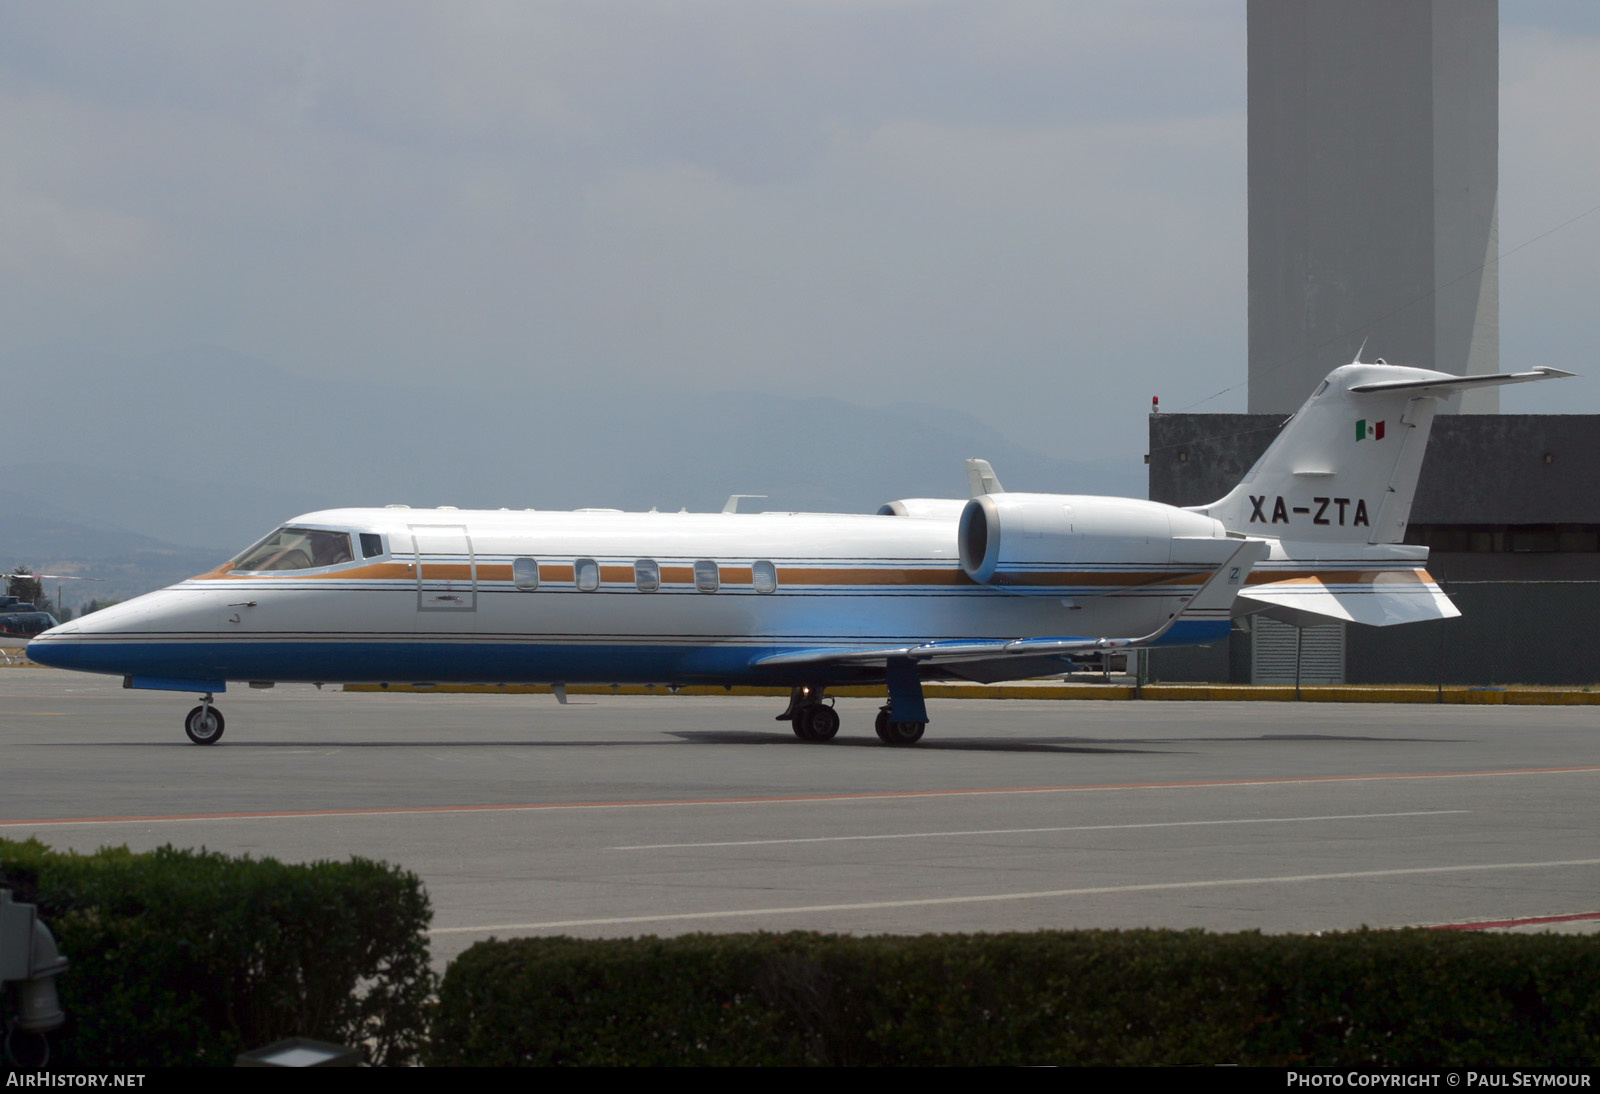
981,478
1229,579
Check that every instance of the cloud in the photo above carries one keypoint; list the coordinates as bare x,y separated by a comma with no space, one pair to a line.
1034,211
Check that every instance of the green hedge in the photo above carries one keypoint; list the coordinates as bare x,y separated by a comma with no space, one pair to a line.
188,957
1368,999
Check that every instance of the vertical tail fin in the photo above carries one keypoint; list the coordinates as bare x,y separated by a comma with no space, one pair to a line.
1344,469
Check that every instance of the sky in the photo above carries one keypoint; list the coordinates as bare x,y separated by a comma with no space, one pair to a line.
1031,212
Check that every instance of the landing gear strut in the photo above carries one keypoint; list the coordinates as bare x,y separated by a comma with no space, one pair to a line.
205,723
905,716
812,718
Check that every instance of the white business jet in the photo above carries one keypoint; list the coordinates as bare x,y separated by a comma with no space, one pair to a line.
999,586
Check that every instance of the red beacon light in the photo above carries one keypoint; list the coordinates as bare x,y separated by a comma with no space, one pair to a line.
1155,404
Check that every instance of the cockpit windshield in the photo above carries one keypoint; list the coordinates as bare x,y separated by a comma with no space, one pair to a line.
296,549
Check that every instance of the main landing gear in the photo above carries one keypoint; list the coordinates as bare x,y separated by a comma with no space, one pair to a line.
205,723
901,722
897,733
812,718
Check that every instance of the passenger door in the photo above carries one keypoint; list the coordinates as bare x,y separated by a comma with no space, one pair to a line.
447,569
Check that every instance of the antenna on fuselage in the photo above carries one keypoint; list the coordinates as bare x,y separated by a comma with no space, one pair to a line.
733,501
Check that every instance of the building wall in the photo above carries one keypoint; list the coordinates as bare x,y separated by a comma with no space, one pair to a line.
1500,469
1373,180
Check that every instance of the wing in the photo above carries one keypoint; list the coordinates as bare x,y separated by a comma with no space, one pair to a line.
1213,601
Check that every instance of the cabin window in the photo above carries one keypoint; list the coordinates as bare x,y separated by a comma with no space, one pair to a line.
646,575
371,545
764,575
525,574
707,578
296,549
588,574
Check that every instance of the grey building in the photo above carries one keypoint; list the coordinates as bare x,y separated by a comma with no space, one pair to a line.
1373,174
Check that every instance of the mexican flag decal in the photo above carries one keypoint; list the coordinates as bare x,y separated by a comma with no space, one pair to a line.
1365,429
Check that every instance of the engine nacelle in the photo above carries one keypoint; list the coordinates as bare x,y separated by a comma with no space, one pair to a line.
1018,539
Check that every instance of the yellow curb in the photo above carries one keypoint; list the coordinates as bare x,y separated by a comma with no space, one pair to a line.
1457,694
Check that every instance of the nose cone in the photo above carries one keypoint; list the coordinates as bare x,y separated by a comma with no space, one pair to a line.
123,638
48,647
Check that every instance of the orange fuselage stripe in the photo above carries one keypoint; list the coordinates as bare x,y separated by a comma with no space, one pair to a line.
816,575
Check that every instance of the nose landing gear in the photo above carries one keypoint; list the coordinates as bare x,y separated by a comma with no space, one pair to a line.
205,723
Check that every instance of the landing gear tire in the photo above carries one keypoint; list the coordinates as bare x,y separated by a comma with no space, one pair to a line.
816,722
204,725
898,733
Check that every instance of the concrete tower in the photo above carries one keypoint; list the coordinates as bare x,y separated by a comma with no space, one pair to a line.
1374,140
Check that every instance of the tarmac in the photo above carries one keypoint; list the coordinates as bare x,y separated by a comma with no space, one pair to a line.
627,814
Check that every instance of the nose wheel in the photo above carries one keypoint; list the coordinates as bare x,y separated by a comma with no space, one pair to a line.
204,724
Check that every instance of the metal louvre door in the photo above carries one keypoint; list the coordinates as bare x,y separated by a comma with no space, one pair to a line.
1273,657
447,570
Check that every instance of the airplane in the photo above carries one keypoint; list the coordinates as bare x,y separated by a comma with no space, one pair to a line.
992,587
20,620
21,617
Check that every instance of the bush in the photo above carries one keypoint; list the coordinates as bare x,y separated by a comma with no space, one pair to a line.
185,958
1368,999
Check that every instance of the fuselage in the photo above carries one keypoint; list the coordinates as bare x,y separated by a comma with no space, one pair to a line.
444,595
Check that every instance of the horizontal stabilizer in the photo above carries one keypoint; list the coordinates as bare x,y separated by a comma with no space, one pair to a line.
1445,386
1378,599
